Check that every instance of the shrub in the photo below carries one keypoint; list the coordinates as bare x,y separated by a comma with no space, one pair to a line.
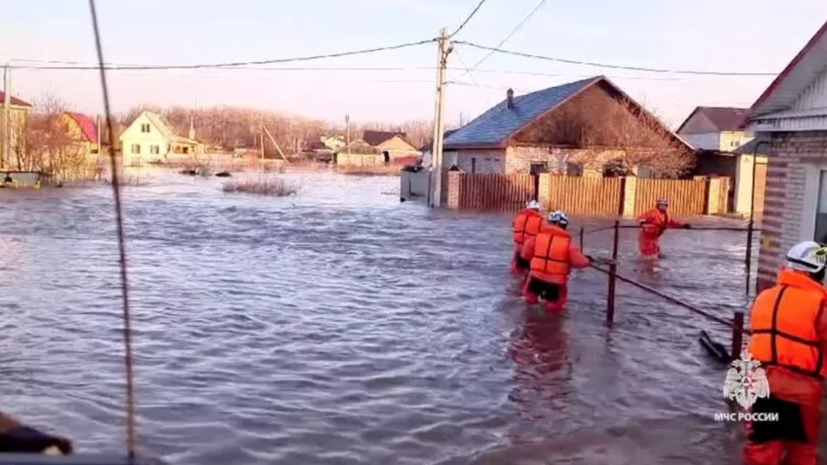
274,187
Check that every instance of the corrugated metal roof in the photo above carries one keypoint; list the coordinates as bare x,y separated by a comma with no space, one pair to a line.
87,126
14,100
805,68
495,125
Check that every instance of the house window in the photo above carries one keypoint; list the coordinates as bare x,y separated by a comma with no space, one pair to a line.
154,149
136,148
145,128
821,211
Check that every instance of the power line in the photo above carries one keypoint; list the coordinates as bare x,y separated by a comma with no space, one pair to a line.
610,66
461,26
232,65
467,71
513,31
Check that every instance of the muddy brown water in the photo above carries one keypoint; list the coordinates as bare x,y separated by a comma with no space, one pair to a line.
341,326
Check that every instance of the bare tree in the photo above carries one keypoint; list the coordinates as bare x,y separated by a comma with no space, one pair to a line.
52,145
611,130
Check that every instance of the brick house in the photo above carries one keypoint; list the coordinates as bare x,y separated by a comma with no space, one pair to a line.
563,129
791,118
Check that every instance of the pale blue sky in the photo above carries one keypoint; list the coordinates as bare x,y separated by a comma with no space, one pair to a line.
720,35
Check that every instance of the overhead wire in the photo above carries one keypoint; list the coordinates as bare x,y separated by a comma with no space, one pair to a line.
127,317
513,31
231,65
468,19
612,66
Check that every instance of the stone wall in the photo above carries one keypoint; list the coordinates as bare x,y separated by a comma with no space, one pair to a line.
790,203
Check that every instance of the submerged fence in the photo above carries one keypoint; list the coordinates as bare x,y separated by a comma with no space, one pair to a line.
736,324
590,196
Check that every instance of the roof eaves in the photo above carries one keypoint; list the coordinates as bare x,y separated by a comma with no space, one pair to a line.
790,67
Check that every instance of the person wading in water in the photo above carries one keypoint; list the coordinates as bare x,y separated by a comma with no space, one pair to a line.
652,225
553,255
789,338
526,225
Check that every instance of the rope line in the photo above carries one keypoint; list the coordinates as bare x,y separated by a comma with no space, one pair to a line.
127,320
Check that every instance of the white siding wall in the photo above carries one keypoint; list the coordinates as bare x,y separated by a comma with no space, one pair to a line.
815,96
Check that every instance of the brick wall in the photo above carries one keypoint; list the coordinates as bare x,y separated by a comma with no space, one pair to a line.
792,154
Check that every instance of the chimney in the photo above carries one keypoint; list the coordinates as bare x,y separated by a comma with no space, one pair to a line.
510,98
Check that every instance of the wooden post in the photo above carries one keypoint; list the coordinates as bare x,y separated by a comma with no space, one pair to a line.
748,258
737,334
610,301
582,245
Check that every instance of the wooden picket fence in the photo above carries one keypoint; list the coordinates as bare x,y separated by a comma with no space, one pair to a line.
585,195
685,197
500,192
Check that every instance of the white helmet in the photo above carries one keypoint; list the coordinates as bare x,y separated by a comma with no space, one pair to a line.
663,201
533,205
807,256
559,217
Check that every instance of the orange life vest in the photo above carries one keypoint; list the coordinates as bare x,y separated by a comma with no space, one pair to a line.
783,322
551,252
656,222
527,224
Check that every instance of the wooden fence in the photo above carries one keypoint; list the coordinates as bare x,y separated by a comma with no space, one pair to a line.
501,192
685,197
583,195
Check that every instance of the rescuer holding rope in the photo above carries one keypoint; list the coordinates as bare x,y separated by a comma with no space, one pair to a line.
525,225
789,338
652,225
553,255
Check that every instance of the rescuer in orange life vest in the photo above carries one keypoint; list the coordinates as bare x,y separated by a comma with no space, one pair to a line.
652,225
553,254
526,224
789,338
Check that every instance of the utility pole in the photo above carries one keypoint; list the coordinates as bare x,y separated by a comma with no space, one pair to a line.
98,130
262,141
439,123
347,131
6,116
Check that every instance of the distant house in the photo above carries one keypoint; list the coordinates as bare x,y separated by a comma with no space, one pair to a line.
579,127
18,114
84,131
716,128
359,153
392,145
791,116
151,138
723,148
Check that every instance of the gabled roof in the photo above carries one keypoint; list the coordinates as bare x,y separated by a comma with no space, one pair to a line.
493,127
723,118
810,62
14,100
165,127
375,138
87,126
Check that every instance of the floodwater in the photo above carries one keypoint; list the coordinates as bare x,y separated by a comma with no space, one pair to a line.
341,326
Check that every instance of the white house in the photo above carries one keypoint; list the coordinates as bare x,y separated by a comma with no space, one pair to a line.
151,139
791,115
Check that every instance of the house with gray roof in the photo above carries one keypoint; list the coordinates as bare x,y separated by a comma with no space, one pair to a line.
578,127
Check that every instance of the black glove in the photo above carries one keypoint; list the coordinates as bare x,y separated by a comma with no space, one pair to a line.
591,259
687,226
29,440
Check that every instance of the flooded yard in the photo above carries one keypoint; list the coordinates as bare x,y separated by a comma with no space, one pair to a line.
341,326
